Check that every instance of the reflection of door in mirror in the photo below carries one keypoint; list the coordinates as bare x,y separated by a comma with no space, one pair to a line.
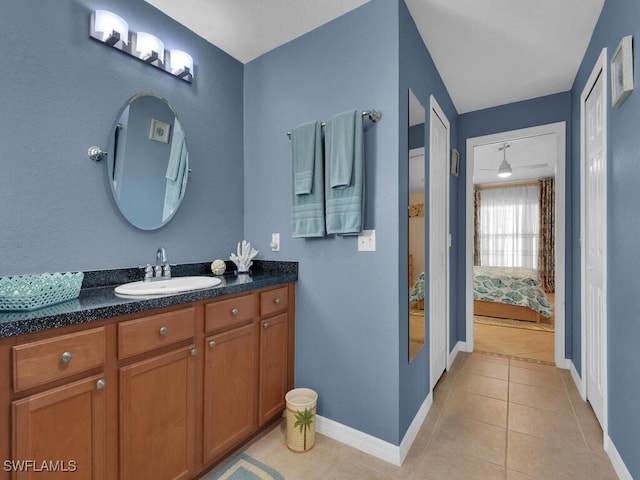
148,170
416,226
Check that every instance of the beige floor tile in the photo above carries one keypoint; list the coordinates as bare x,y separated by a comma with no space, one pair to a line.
468,437
532,365
537,458
539,397
559,428
487,369
439,466
537,378
481,385
603,468
468,405
593,438
487,357
513,475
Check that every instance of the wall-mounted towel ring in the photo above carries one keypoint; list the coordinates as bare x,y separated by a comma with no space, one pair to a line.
373,115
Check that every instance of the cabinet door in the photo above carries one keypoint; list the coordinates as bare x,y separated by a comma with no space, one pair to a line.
273,367
157,417
61,431
230,382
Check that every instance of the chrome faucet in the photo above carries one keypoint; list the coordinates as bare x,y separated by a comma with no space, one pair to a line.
162,269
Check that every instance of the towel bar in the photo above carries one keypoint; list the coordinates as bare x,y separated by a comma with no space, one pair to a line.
373,115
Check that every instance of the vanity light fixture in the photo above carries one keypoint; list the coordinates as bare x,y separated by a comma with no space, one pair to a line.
180,64
109,28
149,48
112,30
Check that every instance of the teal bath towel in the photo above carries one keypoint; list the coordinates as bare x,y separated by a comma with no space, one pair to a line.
177,173
344,175
307,181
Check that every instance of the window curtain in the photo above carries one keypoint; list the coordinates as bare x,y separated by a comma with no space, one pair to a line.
510,226
546,261
476,226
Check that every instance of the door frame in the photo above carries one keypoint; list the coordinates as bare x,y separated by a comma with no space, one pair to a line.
600,69
559,129
434,107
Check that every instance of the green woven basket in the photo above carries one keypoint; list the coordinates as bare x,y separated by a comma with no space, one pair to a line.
30,292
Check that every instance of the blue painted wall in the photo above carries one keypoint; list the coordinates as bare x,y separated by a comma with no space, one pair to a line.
346,301
618,19
528,113
61,95
418,73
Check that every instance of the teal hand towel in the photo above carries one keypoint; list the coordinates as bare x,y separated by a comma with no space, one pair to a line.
307,209
340,153
176,154
344,202
303,143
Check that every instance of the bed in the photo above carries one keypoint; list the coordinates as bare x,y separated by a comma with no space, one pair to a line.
509,293
416,291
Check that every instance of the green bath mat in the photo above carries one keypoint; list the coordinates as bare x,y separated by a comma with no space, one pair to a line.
244,467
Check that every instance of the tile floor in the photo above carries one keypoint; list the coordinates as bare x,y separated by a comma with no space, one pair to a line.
492,418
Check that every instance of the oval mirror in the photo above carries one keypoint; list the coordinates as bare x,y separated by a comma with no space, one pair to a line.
149,167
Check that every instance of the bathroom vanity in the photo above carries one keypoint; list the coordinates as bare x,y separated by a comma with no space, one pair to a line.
160,388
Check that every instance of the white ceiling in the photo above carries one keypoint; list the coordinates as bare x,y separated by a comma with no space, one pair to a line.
489,52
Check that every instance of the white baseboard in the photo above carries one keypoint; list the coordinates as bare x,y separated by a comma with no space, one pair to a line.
458,347
616,460
564,364
371,445
578,381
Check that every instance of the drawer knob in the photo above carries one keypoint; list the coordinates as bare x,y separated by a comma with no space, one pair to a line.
194,352
66,357
265,325
100,384
164,330
235,312
212,344
277,301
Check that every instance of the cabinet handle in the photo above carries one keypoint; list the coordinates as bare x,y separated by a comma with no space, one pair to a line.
235,312
265,325
194,352
277,301
212,344
164,330
66,357
100,384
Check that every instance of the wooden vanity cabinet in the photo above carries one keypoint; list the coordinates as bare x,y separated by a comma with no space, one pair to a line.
60,430
157,395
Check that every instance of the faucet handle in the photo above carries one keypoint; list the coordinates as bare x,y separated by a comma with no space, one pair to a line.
148,272
166,270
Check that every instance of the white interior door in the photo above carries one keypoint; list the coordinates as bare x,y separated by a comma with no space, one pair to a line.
438,240
594,181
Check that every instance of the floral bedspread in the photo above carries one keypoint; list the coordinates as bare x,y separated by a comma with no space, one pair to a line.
512,286
417,292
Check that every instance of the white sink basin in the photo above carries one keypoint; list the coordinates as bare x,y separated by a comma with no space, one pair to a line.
166,287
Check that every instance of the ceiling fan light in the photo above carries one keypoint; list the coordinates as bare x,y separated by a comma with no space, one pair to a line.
504,170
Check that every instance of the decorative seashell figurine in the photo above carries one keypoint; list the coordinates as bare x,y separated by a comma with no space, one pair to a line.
218,267
242,257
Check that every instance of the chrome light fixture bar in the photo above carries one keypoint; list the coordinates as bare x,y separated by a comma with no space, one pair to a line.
112,30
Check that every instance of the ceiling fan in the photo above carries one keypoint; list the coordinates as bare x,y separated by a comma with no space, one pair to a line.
505,170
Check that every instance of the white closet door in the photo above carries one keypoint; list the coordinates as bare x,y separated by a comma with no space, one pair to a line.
438,241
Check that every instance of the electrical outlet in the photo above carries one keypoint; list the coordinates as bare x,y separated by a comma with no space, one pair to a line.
275,242
367,241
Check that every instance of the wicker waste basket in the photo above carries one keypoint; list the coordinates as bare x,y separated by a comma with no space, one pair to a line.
301,419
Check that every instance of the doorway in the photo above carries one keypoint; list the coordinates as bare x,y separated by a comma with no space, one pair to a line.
558,132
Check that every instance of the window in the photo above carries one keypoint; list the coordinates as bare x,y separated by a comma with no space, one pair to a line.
510,227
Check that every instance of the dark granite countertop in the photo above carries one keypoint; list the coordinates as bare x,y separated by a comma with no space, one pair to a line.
98,300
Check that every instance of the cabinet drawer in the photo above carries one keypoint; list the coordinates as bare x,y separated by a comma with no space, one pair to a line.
149,333
229,313
39,362
274,301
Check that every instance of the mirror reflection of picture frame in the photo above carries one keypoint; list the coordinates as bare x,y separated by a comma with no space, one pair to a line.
159,131
622,71
455,163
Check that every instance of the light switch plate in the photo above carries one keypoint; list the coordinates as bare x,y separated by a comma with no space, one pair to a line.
367,241
275,242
